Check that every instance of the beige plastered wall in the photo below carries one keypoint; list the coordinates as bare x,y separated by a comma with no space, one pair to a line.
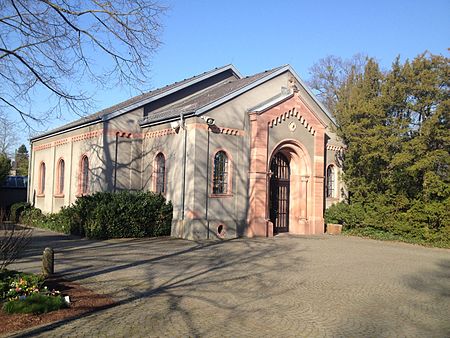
98,142
70,147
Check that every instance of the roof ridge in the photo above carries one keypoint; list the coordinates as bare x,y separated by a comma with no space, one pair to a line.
268,71
160,88
126,104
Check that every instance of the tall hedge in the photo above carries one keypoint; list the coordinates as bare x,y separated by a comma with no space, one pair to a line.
106,215
395,125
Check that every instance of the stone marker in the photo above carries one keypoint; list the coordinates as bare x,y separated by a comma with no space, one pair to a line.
48,262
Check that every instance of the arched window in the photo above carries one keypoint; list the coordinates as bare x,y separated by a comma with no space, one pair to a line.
41,186
220,177
160,174
60,177
331,182
84,175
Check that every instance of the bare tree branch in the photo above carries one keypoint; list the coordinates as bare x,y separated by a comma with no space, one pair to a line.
55,46
329,73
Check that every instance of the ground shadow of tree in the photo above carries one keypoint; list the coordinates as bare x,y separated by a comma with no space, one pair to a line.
232,277
422,313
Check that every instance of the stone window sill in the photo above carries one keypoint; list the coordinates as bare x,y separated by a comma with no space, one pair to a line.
220,195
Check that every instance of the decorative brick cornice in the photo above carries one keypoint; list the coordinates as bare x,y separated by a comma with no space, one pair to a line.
292,113
61,142
43,146
87,136
159,133
217,129
334,147
121,133
76,138
230,131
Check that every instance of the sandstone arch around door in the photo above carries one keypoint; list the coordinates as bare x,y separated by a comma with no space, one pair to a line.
299,189
307,207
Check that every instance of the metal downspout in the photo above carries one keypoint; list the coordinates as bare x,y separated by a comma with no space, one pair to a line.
207,185
115,162
30,173
267,182
184,166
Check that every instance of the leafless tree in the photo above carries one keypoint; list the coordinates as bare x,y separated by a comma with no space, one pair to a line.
8,136
328,75
50,48
13,241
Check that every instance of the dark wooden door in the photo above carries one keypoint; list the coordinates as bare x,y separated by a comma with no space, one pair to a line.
279,193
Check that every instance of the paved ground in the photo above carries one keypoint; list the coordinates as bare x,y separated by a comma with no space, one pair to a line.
278,287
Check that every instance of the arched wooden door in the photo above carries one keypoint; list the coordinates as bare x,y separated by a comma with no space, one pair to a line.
279,193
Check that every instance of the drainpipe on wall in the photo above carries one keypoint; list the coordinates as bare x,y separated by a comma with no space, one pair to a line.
207,185
267,183
53,179
184,165
69,188
30,173
115,162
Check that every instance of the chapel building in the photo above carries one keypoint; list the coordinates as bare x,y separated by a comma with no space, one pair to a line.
236,156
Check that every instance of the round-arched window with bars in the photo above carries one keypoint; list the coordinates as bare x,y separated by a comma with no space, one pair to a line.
160,173
220,177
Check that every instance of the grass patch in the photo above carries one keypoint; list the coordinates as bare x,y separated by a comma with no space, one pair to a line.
380,234
35,303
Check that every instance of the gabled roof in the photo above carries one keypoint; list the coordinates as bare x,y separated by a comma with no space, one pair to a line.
196,103
137,101
220,93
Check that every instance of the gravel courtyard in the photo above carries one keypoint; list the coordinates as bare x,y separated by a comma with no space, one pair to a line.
285,286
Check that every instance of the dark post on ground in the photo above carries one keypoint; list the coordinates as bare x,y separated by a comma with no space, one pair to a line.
48,262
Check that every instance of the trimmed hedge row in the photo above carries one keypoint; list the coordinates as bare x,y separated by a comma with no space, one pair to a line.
106,215
422,223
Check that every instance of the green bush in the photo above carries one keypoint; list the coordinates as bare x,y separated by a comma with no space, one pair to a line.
109,215
349,216
35,303
33,217
16,210
386,218
128,214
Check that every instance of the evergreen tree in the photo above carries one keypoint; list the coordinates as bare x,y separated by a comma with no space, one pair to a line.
22,161
5,167
397,131
364,129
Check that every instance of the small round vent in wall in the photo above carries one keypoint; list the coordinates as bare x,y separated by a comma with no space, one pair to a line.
292,126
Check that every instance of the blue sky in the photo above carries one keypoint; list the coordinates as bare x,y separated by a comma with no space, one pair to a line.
256,35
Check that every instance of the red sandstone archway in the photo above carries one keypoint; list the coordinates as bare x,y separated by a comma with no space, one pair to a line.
299,190
306,209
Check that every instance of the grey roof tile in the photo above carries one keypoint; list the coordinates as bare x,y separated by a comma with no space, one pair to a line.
100,114
204,98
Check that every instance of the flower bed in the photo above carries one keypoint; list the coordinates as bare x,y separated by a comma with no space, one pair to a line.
82,301
25,293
